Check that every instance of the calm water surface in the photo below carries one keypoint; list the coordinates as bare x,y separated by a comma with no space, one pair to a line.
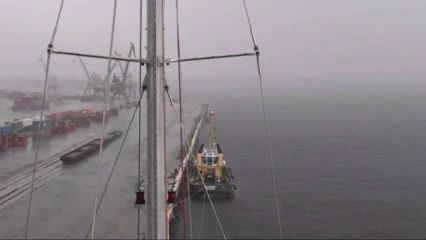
349,158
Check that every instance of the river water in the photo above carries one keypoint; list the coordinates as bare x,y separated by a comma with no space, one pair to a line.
349,157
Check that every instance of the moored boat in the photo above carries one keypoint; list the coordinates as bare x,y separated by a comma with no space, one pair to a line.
210,168
90,147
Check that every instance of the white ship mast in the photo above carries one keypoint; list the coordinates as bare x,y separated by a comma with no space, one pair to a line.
156,218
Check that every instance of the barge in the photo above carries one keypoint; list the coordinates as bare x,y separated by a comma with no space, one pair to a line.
90,147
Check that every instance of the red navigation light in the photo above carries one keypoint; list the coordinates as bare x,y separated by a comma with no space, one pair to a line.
140,198
171,198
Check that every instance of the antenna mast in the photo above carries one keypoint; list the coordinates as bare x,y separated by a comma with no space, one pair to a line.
212,129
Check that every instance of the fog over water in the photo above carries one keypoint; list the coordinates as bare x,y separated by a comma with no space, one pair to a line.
349,160
345,86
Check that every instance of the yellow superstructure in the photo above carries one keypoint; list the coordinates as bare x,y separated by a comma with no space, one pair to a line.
210,162
209,171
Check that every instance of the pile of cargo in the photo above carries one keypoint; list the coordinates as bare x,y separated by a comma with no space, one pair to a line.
64,122
10,138
45,129
63,126
4,143
14,133
17,139
98,116
27,102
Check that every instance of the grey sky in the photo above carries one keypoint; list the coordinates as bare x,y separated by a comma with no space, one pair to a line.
298,38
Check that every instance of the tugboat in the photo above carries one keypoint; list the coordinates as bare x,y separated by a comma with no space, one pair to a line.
210,165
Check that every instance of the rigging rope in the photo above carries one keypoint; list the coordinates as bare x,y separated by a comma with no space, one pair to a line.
249,22
256,49
49,53
181,117
103,119
141,91
164,118
192,155
116,158
202,218
189,202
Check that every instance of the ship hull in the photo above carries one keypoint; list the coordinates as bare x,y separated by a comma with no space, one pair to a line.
225,190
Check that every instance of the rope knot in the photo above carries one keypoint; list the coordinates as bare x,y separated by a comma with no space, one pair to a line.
256,50
49,47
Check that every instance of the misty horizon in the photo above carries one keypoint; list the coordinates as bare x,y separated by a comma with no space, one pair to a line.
297,39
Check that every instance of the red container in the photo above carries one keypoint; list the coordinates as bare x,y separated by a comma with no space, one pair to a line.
4,143
171,197
52,117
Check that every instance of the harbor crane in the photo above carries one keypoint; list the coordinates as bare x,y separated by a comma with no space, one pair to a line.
53,86
123,87
130,83
95,86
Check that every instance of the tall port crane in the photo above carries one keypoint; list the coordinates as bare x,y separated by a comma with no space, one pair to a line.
123,87
95,85
52,87
130,83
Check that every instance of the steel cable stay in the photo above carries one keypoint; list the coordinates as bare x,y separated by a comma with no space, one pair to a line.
163,69
49,53
192,155
250,26
256,49
103,119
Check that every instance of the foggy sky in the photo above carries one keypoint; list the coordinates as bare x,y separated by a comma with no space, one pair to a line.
297,38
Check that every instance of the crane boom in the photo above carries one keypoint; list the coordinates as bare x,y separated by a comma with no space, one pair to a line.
85,69
132,49
42,62
119,63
